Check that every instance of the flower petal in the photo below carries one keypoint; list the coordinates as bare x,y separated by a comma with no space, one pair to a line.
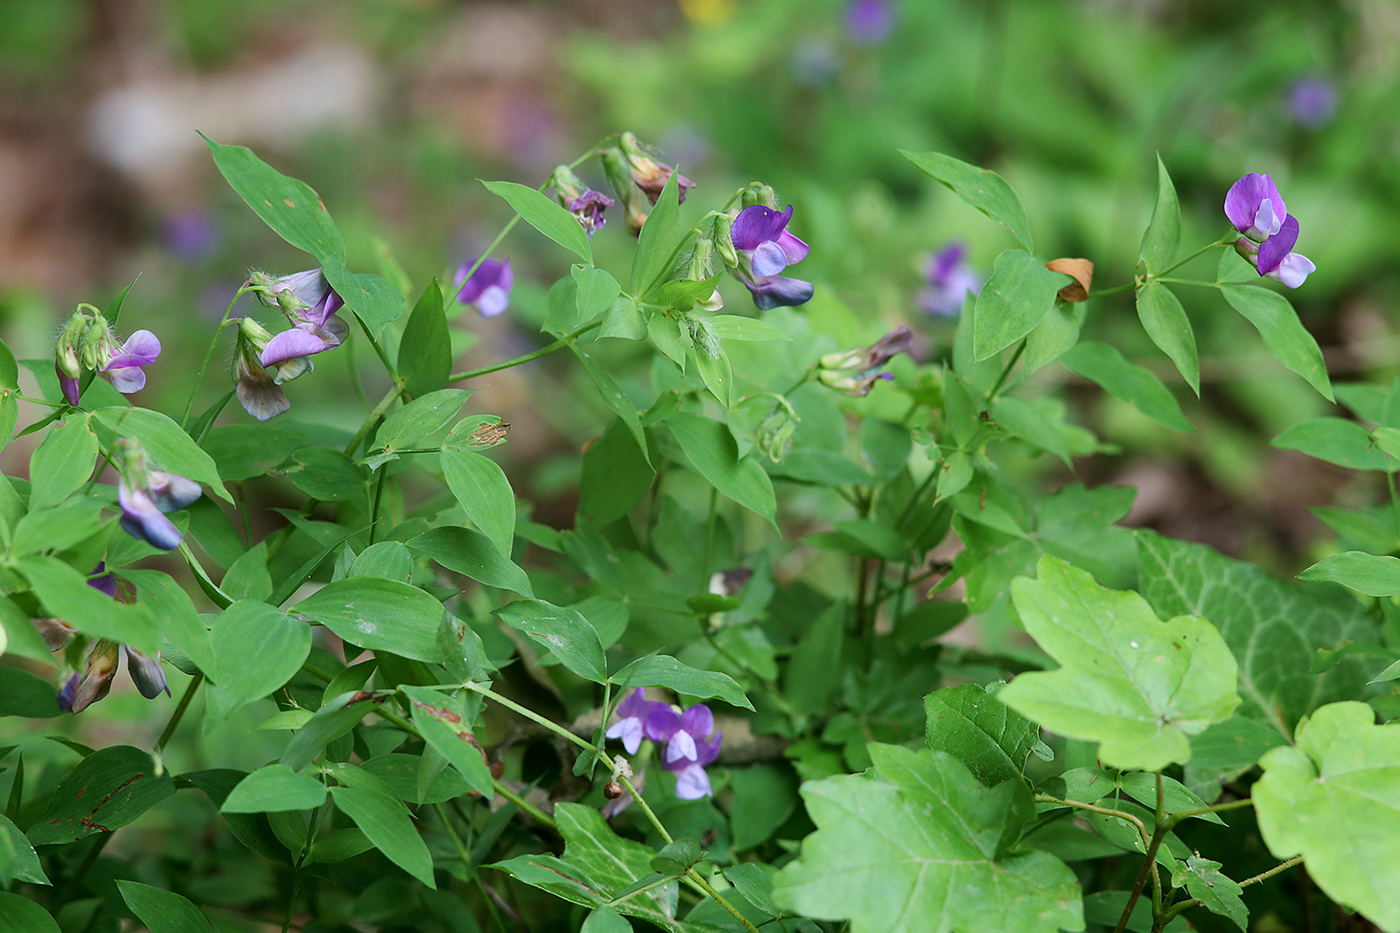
171,492
773,290
662,723
262,398
693,783
1293,270
140,349
758,224
681,747
698,720
291,344
1273,250
127,379
70,389
794,248
769,258
143,521
492,301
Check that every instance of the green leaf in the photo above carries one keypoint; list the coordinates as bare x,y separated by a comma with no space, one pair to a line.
334,719
480,485
613,397
765,797
605,920
379,614
326,474
969,723
162,911
545,215
257,649
661,670
1142,787
897,856
1335,800
289,207
683,294
718,374
597,866
1371,574
273,788
1284,335
169,447
863,538
1272,627
1126,382
472,554
425,350
1170,329
179,618
9,369
248,577
710,448
22,915
563,631
624,320
1056,333
738,327
985,190
387,559
65,594
26,695
616,476
1024,419
1335,440
424,415
105,791
1134,684
1163,234
1220,895
597,290
657,243
385,821
374,301
1020,292
439,720
22,862
63,462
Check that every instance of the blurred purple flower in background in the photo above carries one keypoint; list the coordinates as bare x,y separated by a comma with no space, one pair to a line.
766,247
1312,101
488,288
190,235
869,22
949,279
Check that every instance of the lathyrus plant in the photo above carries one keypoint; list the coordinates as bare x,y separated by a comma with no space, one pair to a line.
427,708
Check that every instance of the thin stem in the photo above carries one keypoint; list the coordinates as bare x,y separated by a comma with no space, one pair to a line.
559,344
709,540
531,715
1103,811
710,890
1180,815
462,851
1114,290
209,355
1010,365
1227,238
1266,875
38,401
523,805
1149,861
384,405
179,713
383,356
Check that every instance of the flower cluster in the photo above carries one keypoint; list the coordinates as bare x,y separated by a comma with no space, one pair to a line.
262,361
689,739
88,344
1256,208
631,171
146,496
855,372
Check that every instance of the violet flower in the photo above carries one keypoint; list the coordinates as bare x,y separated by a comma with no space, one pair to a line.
140,349
855,372
145,495
689,746
765,248
1312,101
588,208
632,713
310,305
869,22
949,279
80,692
488,288
648,174
1254,205
87,343
146,672
259,390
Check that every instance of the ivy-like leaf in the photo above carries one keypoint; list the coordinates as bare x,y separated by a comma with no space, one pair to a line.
1335,800
991,739
1136,685
920,854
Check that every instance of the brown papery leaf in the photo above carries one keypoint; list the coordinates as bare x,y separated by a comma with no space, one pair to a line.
1083,272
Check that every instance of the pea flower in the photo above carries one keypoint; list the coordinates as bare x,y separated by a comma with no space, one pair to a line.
259,389
855,372
765,247
869,22
87,343
689,746
948,280
1253,204
647,173
310,304
632,713
146,495
584,203
488,288
85,688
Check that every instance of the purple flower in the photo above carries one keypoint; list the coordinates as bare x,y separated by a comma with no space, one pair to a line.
489,286
689,745
869,22
632,713
145,672
259,391
692,783
949,279
855,372
87,343
140,349
1255,207
588,208
765,248
647,173
310,305
1312,101
145,495
96,680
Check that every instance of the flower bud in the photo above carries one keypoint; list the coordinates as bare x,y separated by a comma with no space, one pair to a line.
100,668
145,672
258,390
566,184
648,174
760,194
773,438
723,241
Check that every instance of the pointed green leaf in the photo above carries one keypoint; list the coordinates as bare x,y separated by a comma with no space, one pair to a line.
384,819
289,207
481,487
597,290
439,719
65,594
1127,382
983,189
1163,234
1284,335
378,614
1136,685
1166,323
710,448
656,245
63,462
545,215
1020,292
425,350
565,632
1335,800
162,911
472,554
661,670
1220,895
170,448
257,648
105,791
18,912
987,736
1335,440
21,861
374,301
901,855
272,788
1372,574
425,415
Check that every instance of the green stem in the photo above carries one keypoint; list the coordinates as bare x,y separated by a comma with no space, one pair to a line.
710,890
1006,372
523,805
709,540
179,713
384,405
209,355
1103,811
38,401
383,356
559,344
1266,875
1114,290
1180,815
1227,238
